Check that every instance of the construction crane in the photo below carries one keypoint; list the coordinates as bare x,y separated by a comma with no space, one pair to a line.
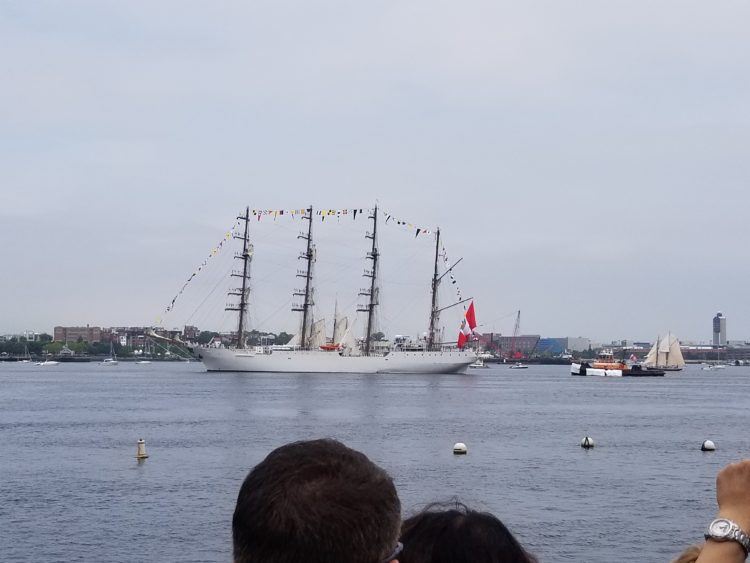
514,355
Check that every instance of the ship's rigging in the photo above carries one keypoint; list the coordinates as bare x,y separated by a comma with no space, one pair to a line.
372,274
311,334
307,273
242,292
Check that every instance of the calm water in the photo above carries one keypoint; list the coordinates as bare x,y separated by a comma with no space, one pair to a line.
71,490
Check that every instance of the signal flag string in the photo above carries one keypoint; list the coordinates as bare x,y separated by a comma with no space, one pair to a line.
214,251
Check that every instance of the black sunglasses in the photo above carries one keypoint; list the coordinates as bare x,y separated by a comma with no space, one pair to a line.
398,549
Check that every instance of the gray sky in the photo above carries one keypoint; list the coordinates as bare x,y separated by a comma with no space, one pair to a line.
588,159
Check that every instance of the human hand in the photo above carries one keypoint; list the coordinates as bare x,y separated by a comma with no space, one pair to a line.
733,493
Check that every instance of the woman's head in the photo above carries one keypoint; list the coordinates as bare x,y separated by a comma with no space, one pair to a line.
452,533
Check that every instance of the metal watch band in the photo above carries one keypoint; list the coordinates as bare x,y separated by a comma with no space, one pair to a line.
742,538
735,534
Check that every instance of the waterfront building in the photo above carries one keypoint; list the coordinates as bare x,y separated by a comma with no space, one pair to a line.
26,335
90,334
524,344
577,343
558,346
551,346
720,330
190,333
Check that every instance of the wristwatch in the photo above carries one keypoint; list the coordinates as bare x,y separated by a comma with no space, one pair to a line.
723,529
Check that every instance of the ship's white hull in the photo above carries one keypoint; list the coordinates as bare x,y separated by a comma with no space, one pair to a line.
578,369
313,361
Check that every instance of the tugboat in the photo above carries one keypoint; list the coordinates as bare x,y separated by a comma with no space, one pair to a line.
606,366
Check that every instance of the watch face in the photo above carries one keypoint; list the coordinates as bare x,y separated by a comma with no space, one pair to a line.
720,528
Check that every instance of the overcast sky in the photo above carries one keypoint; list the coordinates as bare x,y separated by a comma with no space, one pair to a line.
589,159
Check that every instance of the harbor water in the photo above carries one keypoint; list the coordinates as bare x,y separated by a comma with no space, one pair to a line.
72,490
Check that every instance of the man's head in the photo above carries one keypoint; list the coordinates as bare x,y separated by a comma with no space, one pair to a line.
316,501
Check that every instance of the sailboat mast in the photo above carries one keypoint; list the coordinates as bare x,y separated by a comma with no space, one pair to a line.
309,256
241,292
372,274
434,312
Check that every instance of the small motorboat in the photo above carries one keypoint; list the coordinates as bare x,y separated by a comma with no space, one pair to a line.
143,362
478,363
47,363
518,365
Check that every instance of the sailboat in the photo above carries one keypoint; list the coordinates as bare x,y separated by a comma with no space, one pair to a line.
112,360
47,362
26,356
310,351
145,353
665,354
717,364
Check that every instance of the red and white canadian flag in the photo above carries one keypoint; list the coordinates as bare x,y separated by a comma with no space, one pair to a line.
468,326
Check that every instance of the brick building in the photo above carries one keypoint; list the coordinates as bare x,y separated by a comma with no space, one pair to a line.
91,334
503,345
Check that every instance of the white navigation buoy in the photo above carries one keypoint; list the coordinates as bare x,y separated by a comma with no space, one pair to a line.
708,446
141,454
459,448
587,443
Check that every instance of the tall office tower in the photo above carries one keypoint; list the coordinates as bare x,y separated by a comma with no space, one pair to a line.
720,330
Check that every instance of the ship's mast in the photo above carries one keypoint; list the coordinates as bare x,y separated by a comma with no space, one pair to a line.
309,256
656,356
372,274
434,312
242,292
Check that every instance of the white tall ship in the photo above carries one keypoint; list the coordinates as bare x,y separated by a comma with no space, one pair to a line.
311,352
665,354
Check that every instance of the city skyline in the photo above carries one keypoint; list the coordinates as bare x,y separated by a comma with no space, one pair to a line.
581,159
94,332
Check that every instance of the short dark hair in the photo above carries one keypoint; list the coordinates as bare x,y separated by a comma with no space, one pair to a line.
316,501
453,533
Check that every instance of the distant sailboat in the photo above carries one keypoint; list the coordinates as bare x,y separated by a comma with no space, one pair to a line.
26,356
47,362
145,353
665,354
112,360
